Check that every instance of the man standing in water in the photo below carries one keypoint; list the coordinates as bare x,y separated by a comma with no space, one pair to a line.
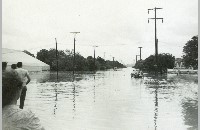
24,75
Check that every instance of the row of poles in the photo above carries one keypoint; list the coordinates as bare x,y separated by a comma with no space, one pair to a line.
74,55
156,45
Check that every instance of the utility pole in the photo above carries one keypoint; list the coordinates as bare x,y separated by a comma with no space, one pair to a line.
140,52
94,58
113,62
136,58
56,59
156,40
74,50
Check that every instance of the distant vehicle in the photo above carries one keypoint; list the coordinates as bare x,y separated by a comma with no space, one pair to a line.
115,68
137,73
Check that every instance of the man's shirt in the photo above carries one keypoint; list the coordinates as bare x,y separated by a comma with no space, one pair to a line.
15,118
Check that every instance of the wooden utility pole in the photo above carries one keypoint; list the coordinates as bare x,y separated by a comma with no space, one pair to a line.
140,52
156,40
94,59
74,50
136,58
56,59
113,62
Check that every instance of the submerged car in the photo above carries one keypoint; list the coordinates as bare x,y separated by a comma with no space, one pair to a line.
137,73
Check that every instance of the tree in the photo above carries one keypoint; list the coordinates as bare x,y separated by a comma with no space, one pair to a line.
65,61
80,62
190,50
165,61
27,52
140,64
90,63
43,56
101,63
49,57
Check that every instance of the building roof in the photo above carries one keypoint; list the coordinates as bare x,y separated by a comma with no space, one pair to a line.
14,56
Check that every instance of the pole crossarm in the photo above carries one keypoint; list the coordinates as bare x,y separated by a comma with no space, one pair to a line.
155,18
75,33
95,46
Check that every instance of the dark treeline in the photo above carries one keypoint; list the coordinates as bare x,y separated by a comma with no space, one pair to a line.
165,61
65,61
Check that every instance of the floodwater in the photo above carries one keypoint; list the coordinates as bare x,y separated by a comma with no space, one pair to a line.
112,100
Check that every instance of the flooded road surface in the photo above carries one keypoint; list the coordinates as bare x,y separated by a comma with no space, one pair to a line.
112,100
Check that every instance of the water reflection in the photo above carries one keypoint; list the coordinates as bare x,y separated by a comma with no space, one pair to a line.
190,113
176,88
94,88
113,100
156,108
74,98
56,99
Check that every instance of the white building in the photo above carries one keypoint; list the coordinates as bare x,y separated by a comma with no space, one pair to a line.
30,63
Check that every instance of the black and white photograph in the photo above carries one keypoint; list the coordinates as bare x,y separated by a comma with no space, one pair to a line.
99,64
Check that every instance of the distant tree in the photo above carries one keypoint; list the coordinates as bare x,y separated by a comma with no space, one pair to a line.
69,60
27,52
165,61
139,64
43,56
81,63
147,64
65,61
90,63
100,63
49,57
109,64
52,59
190,50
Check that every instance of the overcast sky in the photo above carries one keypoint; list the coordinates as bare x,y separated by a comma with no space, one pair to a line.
118,27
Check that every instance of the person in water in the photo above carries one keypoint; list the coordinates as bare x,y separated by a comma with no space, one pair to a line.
14,118
24,75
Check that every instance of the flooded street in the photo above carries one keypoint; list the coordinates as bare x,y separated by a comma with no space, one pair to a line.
112,100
